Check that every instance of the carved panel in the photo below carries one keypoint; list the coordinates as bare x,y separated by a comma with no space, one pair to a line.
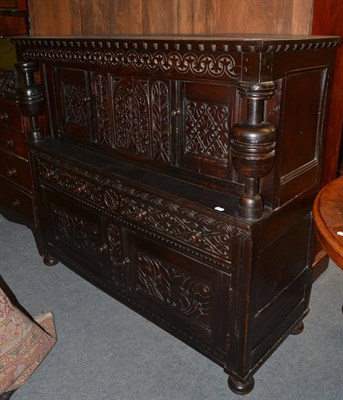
75,103
207,129
131,116
7,82
116,254
160,110
174,287
102,132
76,230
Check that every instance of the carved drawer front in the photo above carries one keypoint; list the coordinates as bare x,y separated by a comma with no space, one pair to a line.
78,233
70,180
16,170
179,290
73,104
14,199
205,123
13,142
194,229
10,118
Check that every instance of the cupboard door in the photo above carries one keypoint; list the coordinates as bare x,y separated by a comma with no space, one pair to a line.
74,114
77,233
206,115
180,290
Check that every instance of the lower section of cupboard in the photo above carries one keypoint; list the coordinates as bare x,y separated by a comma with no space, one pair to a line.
235,313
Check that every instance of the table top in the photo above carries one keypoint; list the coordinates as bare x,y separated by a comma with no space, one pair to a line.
328,218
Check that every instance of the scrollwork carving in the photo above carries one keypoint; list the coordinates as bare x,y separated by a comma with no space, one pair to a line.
174,287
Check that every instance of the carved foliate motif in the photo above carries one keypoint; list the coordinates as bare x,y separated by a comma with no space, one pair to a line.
116,254
102,127
207,129
131,116
76,231
160,111
7,82
141,114
74,97
70,181
174,287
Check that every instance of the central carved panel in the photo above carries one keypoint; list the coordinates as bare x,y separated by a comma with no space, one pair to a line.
174,287
141,114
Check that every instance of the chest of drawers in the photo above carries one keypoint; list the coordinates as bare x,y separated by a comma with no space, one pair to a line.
15,177
178,175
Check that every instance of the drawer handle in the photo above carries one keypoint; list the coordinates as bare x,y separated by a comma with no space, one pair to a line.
124,262
140,215
3,116
11,172
175,112
101,249
81,189
16,203
10,142
85,99
195,237
49,174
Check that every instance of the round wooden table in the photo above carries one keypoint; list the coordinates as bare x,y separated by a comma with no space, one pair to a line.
328,219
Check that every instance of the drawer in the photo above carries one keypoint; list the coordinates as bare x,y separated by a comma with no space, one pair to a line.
10,117
15,169
16,200
13,142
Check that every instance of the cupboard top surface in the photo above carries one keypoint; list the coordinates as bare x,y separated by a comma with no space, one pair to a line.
237,42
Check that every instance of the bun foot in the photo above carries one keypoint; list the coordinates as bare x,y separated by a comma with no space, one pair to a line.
241,387
297,329
49,260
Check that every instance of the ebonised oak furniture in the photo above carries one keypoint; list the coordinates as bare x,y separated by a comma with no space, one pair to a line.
178,175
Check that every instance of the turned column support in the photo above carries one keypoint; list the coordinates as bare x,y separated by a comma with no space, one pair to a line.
30,98
253,147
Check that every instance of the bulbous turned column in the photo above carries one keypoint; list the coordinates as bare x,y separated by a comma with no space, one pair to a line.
30,98
253,147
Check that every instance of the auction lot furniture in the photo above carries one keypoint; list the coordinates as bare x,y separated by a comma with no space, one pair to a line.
178,175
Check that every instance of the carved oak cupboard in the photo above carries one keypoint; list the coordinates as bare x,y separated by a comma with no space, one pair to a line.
178,175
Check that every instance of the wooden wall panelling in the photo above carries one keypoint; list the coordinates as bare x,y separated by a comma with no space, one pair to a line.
106,17
126,16
160,16
95,16
259,16
61,17
192,16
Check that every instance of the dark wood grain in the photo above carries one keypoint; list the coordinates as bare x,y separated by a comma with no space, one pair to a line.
170,16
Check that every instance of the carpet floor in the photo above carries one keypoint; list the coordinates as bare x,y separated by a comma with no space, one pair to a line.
107,352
